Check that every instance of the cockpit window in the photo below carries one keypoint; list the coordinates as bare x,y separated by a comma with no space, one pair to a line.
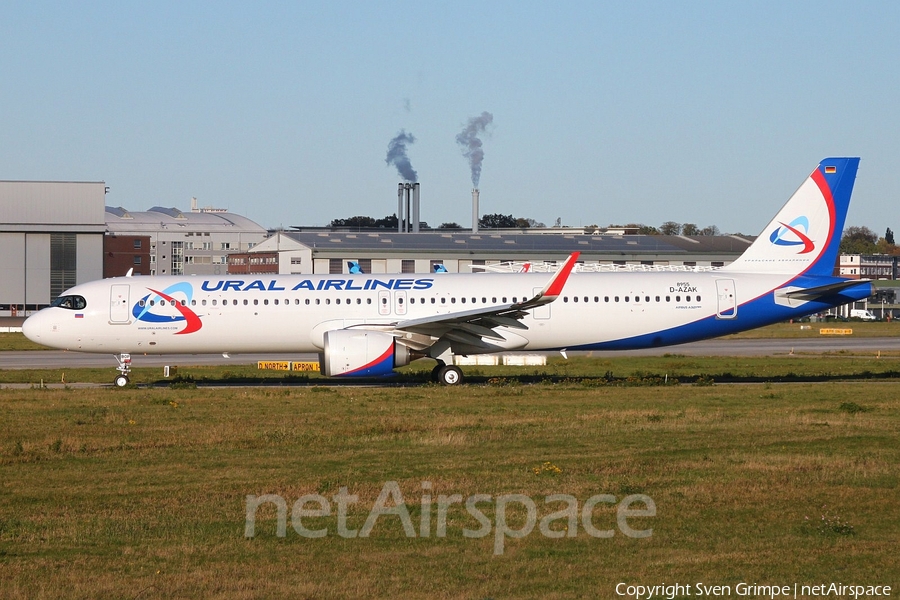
70,302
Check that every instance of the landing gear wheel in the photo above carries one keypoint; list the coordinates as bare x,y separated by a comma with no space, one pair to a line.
436,372
450,375
121,381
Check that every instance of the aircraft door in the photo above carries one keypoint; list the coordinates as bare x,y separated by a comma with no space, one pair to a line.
384,302
118,303
541,312
400,303
727,299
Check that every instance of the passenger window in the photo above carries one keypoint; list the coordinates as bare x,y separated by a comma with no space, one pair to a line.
606,298
202,302
687,298
246,302
256,302
617,298
698,298
677,298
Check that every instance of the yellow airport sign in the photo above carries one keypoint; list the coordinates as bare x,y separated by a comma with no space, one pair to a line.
834,331
274,365
286,365
305,366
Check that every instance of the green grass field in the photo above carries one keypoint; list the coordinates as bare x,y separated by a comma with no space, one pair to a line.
141,493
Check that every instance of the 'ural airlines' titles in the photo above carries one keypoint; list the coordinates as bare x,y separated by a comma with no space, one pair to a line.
239,285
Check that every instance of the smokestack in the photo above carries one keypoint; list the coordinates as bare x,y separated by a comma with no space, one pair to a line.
415,209
474,210
399,208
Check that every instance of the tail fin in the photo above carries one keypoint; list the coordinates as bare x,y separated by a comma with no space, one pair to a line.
805,235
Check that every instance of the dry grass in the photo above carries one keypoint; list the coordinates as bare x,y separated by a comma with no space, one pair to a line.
141,493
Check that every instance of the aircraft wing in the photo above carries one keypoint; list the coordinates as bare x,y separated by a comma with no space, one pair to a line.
473,327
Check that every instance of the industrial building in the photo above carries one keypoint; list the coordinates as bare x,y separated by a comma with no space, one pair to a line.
383,251
51,238
197,242
55,235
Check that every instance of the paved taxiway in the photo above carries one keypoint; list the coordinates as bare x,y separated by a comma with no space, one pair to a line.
53,359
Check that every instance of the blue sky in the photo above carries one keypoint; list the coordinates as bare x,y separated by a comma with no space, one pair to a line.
703,112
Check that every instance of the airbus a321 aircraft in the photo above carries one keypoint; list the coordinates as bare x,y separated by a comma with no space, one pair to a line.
366,324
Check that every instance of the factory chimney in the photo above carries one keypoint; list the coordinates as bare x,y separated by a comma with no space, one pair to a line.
415,208
408,208
474,210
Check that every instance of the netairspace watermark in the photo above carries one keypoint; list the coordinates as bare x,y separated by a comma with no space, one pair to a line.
753,590
390,502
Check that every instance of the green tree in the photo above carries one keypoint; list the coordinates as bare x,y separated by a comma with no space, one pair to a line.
670,228
859,240
690,229
496,221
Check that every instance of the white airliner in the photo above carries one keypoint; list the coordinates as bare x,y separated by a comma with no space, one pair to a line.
366,325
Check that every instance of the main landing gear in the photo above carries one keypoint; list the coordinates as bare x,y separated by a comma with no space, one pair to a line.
446,374
124,369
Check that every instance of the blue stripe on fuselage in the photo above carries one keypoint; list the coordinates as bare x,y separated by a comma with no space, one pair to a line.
758,312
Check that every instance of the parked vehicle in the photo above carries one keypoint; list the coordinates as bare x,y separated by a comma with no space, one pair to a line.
865,315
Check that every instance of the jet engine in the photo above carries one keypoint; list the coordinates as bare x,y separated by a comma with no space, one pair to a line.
361,353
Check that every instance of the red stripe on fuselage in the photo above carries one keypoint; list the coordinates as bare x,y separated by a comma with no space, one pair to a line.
190,317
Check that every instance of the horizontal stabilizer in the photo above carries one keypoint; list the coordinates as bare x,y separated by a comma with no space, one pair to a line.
821,291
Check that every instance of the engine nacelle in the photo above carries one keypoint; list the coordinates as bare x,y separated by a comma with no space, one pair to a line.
361,353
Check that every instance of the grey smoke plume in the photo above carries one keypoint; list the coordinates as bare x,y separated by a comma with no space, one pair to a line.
396,155
471,145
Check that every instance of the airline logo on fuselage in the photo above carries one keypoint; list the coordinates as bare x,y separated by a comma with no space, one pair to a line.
339,285
152,308
790,234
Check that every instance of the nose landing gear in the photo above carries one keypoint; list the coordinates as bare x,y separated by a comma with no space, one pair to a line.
124,369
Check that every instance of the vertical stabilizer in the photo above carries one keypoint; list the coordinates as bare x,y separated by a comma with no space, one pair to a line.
805,235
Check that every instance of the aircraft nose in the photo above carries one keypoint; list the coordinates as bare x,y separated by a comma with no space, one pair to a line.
32,327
